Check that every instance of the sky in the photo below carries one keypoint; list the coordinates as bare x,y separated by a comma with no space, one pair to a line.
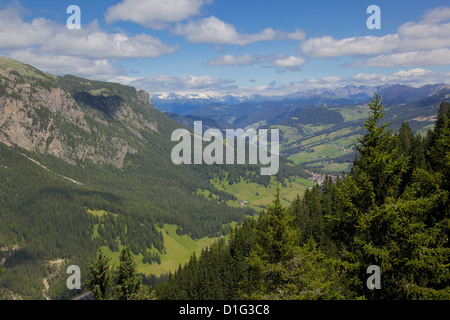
233,47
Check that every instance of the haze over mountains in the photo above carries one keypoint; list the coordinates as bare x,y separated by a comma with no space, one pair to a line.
318,127
184,104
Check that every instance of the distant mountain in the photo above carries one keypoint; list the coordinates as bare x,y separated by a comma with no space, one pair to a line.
188,121
244,110
402,91
322,138
182,104
318,127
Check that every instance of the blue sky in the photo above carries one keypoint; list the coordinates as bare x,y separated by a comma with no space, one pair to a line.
238,47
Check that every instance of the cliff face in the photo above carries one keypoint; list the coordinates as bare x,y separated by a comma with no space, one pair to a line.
69,118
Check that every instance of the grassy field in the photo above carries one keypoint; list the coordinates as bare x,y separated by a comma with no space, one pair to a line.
317,146
323,149
353,113
178,251
259,196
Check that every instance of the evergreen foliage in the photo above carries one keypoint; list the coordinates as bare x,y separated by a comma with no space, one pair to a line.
391,210
100,276
128,280
125,283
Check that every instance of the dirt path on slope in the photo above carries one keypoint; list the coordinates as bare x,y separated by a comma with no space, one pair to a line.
58,263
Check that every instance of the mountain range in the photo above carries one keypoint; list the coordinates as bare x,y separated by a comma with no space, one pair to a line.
87,164
318,128
184,103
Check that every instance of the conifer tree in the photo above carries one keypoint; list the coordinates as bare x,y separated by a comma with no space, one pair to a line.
128,280
276,236
403,233
379,168
283,269
100,277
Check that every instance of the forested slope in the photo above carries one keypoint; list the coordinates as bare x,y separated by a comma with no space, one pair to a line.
391,210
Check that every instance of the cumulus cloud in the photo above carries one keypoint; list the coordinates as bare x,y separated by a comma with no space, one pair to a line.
15,33
231,61
288,62
181,84
414,77
436,15
94,43
422,43
155,13
89,42
188,84
100,69
215,31
436,57
86,52
326,47
269,61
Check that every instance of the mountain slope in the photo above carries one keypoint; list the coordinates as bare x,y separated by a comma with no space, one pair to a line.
86,164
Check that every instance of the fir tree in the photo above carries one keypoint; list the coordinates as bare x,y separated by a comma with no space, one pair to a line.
100,277
128,280
276,236
379,168
404,233
284,270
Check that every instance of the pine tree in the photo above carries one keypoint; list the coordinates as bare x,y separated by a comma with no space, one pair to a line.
379,168
128,280
276,236
439,146
281,269
404,233
100,277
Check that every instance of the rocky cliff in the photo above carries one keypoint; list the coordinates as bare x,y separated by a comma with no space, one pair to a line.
69,118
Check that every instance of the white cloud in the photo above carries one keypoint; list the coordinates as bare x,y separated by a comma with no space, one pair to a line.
89,42
154,13
15,33
325,47
288,62
269,61
215,31
296,35
95,43
231,61
414,77
416,44
436,15
436,57
217,87
182,84
87,52
99,69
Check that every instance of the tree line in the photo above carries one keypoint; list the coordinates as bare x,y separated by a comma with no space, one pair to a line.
391,210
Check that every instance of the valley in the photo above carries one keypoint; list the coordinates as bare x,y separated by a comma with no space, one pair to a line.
318,130
87,164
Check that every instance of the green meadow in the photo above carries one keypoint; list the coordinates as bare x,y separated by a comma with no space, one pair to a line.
259,196
178,250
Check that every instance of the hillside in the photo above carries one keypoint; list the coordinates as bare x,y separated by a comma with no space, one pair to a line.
86,164
318,128
380,232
